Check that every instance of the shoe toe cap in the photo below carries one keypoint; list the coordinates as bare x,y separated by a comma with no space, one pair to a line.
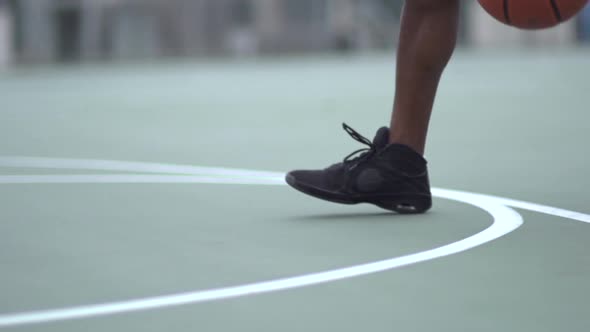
308,178
298,176
291,177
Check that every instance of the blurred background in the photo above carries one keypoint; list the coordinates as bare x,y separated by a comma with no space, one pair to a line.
74,31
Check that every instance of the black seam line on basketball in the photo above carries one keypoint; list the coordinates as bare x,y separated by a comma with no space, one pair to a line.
556,10
506,12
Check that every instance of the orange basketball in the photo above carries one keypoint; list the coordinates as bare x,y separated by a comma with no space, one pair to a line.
533,14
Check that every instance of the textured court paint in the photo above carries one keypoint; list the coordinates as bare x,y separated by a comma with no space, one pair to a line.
505,221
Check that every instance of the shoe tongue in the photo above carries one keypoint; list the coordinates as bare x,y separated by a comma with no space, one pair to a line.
381,138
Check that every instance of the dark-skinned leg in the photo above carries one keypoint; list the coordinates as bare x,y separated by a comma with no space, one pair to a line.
392,173
427,40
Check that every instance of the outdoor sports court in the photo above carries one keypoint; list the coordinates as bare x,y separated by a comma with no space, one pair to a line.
151,198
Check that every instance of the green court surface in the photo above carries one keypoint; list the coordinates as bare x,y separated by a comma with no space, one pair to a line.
512,124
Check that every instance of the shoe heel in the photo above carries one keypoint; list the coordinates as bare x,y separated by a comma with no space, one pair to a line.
407,205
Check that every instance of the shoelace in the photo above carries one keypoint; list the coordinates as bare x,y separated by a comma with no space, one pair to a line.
365,152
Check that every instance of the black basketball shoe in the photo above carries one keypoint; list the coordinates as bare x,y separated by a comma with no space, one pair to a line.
393,177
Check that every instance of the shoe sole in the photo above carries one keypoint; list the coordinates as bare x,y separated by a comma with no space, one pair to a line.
400,203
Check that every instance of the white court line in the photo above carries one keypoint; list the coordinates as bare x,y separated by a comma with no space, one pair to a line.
139,178
124,166
567,214
505,221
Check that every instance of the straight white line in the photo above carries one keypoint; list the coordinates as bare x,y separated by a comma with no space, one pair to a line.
505,221
140,178
124,166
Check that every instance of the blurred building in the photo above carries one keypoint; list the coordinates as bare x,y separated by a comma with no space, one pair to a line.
6,35
78,30
66,30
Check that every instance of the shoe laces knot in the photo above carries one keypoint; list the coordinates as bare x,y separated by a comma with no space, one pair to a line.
354,159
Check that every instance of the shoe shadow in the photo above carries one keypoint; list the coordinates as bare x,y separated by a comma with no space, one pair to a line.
375,216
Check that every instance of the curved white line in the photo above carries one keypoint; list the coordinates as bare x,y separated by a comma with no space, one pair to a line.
505,221
553,211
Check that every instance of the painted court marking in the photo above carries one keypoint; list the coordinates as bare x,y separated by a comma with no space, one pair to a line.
505,220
